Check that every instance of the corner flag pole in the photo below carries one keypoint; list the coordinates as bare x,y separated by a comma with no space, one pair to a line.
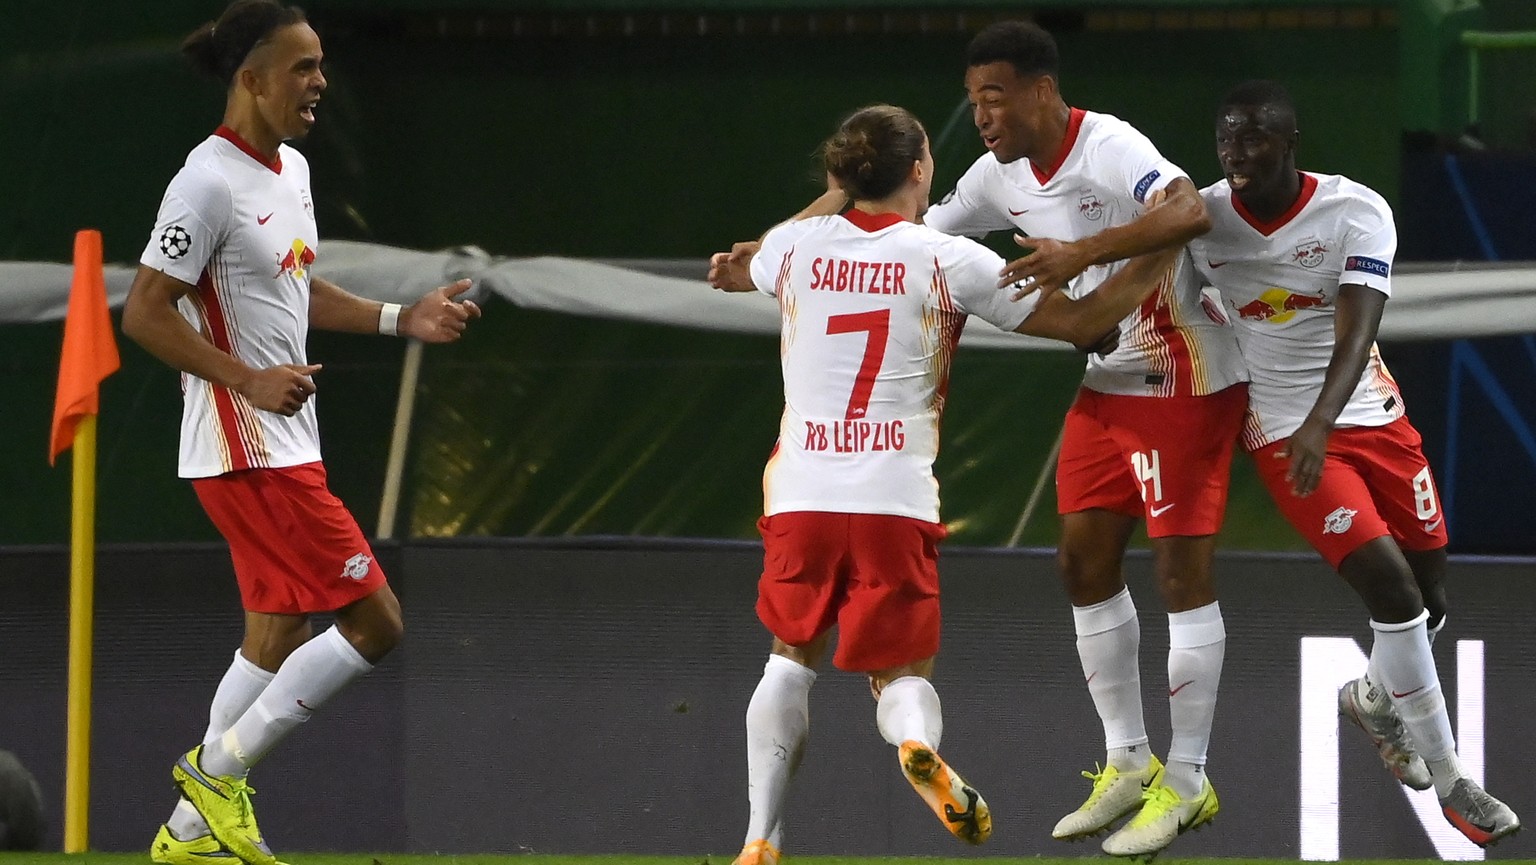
82,614
89,355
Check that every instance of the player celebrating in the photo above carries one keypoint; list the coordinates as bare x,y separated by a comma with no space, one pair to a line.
1304,262
226,293
1151,432
872,307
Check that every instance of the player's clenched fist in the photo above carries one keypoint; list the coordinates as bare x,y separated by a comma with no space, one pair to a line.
730,271
281,389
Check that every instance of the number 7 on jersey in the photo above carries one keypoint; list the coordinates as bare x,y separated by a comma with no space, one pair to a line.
876,323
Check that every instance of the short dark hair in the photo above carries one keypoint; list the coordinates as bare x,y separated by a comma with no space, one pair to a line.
1025,44
873,150
219,47
1261,93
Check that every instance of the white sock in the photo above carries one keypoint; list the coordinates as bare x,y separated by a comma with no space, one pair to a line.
1407,670
1108,644
243,682
1434,628
778,723
310,676
909,711
1368,691
1197,643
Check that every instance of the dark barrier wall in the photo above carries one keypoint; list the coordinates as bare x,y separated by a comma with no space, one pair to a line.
591,701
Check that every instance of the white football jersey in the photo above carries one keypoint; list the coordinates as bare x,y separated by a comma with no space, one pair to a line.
1278,283
243,232
1171,346
872,308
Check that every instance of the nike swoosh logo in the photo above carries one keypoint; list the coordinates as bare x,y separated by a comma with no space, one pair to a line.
1090,677
1012,212
1174,692
302,706
1409,693
1157,512
1429,527
262,220
1215,264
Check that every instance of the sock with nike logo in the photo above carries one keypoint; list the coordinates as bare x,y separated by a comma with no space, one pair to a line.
1401,656
314,673
1197,644
1109,646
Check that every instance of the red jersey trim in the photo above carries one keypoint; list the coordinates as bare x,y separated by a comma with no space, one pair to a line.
230,427
275,164
1074,126
1308,187
871,222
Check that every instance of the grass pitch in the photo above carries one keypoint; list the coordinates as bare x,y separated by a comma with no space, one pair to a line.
719,859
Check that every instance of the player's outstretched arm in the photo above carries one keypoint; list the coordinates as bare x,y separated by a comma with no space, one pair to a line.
732,271
1086,321
436,317
1179,218
1356,318
150,318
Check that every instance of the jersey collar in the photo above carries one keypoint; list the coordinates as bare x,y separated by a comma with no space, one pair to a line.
1074,126
233,137
1308,187
871,222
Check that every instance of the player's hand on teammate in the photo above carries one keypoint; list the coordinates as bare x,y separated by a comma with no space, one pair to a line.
282,389
1048,267
1105,344
1306,449
438,317
730,271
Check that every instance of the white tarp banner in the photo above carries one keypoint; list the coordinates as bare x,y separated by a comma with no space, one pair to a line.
1428,301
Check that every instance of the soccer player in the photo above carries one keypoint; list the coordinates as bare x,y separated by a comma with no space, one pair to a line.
1151,433
1303,261
226,292
872,307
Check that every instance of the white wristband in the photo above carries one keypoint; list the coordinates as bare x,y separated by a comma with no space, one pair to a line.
389,319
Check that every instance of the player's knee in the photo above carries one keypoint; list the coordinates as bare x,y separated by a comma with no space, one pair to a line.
1089,578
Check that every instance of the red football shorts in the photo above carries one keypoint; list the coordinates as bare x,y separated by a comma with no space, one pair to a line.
875,576
296,548
1375,482
1167,459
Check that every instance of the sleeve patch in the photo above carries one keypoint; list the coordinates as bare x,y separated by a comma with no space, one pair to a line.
1145,184
1368,265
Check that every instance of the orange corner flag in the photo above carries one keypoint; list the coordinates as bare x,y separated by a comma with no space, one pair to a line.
90,352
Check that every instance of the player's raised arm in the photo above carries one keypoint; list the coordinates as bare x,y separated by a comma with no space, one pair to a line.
1085,322
1180,218
437,317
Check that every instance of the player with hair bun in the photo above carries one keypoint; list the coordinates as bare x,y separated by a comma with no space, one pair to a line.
872,304
226,292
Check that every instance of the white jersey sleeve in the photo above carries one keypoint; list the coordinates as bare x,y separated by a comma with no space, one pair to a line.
968,208
1132,164
770,266
1370,242
193,223
971,271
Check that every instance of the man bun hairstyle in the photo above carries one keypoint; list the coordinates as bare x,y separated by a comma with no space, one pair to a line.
218,48
1025,44
872,151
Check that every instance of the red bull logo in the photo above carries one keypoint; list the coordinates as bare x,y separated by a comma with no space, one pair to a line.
1309,253
1278,305
297,261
